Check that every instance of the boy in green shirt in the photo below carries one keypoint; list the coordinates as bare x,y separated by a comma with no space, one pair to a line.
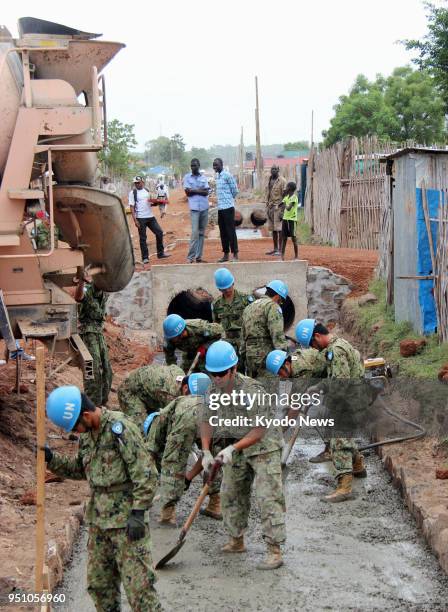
289,223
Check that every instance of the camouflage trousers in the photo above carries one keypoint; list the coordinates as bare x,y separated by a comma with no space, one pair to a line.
238,478
131,404
343,452
98,388
114,560
174,450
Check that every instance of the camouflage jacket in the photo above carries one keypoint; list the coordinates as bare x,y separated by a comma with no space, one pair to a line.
43,236
261,332
229,315
309,363
121,473
274,192
343,360
261,407
161,426
92,310
155,385
200,333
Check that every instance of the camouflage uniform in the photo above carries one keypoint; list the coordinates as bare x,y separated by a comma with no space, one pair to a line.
43,242
91,315
259,462
148,389
261,332
122,477
200,333
229,315
343,363
170,440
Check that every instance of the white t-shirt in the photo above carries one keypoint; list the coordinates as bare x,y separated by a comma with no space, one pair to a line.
162,191
143,210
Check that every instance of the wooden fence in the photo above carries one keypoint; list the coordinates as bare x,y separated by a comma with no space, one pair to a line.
347,193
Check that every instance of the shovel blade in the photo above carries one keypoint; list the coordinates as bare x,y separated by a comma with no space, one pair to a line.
170,555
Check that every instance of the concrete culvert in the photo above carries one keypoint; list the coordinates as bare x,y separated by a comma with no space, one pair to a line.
238,218
192,304
288,308
258,217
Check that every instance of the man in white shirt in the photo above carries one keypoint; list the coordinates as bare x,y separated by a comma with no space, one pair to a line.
144,217
162,194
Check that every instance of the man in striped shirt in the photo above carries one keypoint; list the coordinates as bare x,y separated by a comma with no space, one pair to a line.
226,191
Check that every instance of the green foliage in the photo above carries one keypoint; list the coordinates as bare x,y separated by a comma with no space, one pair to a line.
299,145
116,157
303,229
433,48
203,156
168,152
404,106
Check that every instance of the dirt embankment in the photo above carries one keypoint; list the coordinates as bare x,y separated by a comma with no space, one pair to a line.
64,500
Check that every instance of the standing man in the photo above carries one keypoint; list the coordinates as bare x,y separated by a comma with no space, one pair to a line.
190,336
91,314
122,478
252,455
345,388
263,328
227,310
162,196
274,208
143,217
226,192
197,190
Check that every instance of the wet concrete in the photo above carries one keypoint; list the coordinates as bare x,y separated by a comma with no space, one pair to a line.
365,554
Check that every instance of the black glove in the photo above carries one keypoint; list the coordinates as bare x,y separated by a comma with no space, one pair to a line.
135,527
187,484
48,453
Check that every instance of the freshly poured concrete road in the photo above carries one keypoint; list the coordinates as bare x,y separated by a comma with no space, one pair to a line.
363,555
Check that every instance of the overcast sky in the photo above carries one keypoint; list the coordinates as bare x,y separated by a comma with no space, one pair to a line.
189,67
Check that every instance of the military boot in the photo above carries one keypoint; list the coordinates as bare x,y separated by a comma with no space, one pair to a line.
322,457
359,468
213,509
235,545
168,515
343,490
273,559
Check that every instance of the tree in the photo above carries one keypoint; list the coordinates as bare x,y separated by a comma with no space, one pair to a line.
168,152
404,106
433,49
299,145
203,156
116,155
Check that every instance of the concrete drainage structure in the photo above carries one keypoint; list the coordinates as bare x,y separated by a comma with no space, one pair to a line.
315,291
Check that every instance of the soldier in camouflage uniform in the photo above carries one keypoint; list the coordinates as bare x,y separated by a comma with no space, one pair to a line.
262,329
43,242
122,478
344,388
252,454
91,315
170,439
148,389
227,310
190,337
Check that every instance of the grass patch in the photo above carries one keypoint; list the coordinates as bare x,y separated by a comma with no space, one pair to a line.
382,335
303,229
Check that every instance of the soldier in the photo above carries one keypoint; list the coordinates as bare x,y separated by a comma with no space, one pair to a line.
262,329
274,208
343,363
91,314
228,309
252,454
122,478
43,241
170,439
148,389
191,336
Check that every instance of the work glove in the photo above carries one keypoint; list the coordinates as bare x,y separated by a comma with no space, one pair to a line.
202,350
225,456
135,528
207,460
187,484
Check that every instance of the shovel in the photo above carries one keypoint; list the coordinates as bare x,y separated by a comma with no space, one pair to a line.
183,532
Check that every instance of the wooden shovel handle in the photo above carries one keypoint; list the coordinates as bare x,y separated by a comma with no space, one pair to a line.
204,492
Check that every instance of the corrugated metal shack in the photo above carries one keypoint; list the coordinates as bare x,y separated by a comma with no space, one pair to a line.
418,183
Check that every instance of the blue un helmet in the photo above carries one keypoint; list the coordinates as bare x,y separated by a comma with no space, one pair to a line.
279,287
275,360
220,356
223,279
198,383
173,326
304,331
64,406
148,422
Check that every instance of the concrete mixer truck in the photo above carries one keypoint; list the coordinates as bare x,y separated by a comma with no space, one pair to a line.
52,125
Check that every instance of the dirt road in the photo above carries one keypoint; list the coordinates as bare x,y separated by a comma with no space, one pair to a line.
362,555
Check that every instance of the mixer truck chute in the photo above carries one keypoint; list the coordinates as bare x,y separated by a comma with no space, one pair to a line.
48,161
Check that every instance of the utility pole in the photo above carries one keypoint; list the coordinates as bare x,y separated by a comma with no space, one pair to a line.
312,130
241,158
258,158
